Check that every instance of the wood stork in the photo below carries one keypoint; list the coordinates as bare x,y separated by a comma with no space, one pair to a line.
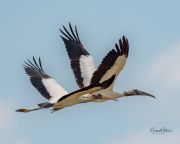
52,91
96,84
85,71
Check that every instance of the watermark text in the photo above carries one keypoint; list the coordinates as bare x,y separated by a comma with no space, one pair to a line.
161,130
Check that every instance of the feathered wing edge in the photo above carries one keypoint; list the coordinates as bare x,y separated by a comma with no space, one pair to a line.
113,62
81,61
47,86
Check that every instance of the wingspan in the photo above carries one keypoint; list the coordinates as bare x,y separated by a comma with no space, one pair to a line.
82,63
113,62
46,85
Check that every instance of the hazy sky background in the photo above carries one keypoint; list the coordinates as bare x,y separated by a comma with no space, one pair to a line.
30,27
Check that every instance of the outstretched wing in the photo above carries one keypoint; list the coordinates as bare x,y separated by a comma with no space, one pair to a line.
82,63
112,63
46,85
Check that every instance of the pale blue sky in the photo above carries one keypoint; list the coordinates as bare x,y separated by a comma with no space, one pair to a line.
30,28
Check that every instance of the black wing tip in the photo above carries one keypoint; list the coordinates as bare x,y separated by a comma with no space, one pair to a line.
70,26
33,64
70,34
123,47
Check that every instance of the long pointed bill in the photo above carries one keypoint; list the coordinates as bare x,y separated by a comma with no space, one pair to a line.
146,94
138,92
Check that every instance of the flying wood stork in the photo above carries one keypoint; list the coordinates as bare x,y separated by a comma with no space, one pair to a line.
85,71
52,91
96,85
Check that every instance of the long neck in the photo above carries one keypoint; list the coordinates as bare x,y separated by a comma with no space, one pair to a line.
118,95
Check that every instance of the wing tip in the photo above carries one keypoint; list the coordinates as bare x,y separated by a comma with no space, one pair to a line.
35,65
123,47
71,34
